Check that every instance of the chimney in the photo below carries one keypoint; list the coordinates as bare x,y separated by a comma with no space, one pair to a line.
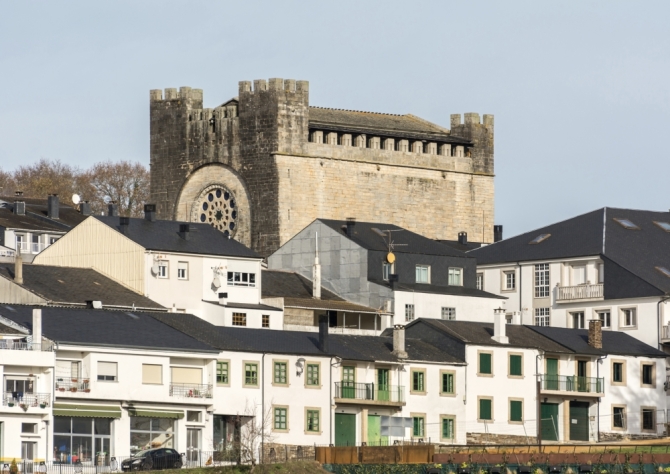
150,212
463,238
596,333
399,342
184,231
516,318
112,209
124,222
323,333
52,206
223,299
37,327
499,326
85,208
316,272
93,304
497,233
393,278
18,268
351,222
19,204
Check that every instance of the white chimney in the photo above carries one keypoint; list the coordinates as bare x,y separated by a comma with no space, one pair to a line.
37,327
499,326
223,299
516,317
316,273
18,268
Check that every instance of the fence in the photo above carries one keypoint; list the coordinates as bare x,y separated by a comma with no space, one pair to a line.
401,453
25,400
370,391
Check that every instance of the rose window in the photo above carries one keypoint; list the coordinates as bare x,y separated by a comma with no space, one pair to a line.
217,207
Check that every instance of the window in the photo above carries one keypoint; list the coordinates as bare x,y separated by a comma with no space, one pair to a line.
516,410
193,416
542,316
152,374
107,371
422,274
448,313
163,268
30,428
182,270
663,225
418,381
628,318
280,373
409,312
21,243
280,419
418,426
617,372
239,319
485,363
542,280
485,409
447,428
312,424
222,373
648,374
387,270
664,271
74,437
313,378
509,280
241,279
480,281
605,318
577,320
648,419
250,374
265,321
447,383
516,365
539,238
456,276
626,223
619,417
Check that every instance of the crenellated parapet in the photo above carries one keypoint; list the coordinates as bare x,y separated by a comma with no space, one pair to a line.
480,133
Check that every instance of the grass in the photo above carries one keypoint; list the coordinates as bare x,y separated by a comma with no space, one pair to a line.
297,467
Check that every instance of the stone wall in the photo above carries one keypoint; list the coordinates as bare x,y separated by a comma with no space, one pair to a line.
492,438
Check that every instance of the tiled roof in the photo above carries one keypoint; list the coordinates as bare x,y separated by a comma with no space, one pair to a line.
36,217
286,284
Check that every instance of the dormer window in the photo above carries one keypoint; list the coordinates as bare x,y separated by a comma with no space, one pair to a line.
626,224
539,238
663,225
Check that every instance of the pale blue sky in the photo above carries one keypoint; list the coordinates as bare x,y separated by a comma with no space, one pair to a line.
579,89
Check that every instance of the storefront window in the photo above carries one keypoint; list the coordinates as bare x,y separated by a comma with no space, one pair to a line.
81,439
148,433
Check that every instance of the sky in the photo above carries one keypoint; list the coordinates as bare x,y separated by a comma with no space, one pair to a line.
579,89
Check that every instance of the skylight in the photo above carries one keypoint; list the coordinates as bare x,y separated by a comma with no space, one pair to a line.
626,223
539,238
663,225
664,271
134,316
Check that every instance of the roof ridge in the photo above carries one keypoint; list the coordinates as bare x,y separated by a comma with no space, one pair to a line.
359,111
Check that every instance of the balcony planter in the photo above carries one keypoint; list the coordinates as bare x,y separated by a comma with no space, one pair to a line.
73,389
23,406
87,390
43,405
10,404
61,389
86,381
75,380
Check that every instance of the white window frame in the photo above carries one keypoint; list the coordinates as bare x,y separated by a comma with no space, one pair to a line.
509,280
542,283
387,270
479,282
577,320
241,279
163,269
625,323
422,271
606,321
455,272
409,312
542,317
182,270
448,313
116,372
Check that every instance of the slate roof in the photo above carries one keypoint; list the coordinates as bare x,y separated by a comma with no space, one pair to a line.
441,290
636,253
68,285
6,329
363,348
455,244
163,236
402,126
99,327
36,217
245,306
366,237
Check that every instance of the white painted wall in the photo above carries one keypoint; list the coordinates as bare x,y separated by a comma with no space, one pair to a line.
429,305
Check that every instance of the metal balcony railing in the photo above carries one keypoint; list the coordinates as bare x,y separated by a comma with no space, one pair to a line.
25,400
189,390
567,383
580,292
370,391
14,345
72,384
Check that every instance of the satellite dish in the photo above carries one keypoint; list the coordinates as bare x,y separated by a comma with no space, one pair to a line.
390,258
216,283
154,268
107,199
76,199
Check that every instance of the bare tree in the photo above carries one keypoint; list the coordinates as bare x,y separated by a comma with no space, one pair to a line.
254,431
7,184
124,182
47,177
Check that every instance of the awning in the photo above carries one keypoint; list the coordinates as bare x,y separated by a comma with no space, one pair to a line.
88,411
149,413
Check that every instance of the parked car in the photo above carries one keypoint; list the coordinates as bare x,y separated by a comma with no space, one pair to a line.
152,459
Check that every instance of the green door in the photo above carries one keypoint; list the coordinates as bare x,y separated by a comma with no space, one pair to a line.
579,421
348,382
582,385
549,416
383,384
345,429
551,377
375,437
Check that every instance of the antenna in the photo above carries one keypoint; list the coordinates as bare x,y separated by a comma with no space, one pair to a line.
76,199
107,199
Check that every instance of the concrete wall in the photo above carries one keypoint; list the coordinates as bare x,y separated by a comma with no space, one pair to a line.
429,305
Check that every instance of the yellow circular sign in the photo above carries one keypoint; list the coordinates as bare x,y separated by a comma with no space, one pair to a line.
390,257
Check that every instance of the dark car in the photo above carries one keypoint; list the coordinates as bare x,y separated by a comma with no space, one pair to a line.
152,459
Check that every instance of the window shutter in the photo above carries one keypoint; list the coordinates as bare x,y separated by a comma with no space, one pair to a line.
186,375
107,369
516,409
484,363
152,374
484,409
515,365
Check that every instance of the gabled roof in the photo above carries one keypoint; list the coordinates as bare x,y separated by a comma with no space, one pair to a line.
393,125
637,251
36,217
76,286
99,327
365,234
163,236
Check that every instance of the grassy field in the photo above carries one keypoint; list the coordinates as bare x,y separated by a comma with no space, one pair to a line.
303,467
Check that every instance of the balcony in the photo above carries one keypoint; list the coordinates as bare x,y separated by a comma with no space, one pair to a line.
369,394
588,292
189,390
585,386
26,400
17,345
67,384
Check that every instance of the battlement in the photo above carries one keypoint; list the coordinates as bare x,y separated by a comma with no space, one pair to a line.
471,118
184,93
274,84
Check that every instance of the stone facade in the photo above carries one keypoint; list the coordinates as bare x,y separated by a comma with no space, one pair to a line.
497,439
283,173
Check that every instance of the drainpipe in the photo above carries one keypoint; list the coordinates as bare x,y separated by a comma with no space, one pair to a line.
263,408
330,401
663,299
598,362
538,385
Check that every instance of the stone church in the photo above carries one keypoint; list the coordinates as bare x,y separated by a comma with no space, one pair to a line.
265,164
